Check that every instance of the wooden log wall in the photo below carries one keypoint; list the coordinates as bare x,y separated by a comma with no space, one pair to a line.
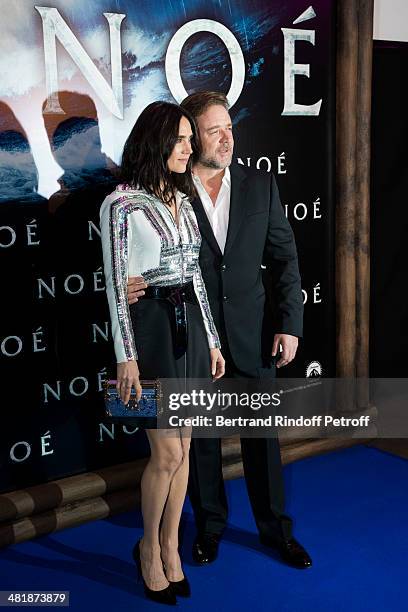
72,501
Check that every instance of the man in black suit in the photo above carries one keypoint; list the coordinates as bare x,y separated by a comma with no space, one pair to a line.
243,226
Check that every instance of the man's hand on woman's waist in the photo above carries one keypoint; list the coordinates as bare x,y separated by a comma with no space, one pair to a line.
136,286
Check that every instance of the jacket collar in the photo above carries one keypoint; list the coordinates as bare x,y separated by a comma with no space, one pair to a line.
236,215
237,205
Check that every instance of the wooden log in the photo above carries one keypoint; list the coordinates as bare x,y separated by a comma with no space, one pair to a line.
310,448
363,152
69,515
353,115
395,446
346,125
38,499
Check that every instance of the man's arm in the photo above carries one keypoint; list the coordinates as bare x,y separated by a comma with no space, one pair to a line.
280,257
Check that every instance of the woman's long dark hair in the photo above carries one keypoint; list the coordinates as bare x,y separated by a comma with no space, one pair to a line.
148,147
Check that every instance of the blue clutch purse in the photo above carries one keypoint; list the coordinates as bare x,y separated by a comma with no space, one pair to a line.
149,405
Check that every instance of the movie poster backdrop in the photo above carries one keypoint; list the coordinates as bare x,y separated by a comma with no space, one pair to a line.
74,78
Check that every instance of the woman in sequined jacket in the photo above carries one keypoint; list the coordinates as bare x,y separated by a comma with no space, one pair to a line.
148,228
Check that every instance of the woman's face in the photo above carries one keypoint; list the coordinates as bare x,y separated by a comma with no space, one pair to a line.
180,155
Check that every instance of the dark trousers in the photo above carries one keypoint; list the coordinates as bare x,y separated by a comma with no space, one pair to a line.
263,476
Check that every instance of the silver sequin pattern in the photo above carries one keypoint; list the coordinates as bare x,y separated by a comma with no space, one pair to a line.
178,260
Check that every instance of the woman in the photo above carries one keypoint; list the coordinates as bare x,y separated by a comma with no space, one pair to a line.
148,228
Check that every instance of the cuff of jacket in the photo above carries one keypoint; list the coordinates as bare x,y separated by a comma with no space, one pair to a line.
288,327
214,342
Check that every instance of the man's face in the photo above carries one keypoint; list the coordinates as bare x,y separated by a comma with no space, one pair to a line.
217,142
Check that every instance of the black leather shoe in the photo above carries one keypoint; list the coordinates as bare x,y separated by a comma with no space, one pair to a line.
205,548
291,551
164,596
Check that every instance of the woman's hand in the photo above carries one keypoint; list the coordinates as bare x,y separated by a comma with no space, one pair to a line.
217,364
128,377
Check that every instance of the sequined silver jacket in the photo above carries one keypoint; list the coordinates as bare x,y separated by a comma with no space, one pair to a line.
140,237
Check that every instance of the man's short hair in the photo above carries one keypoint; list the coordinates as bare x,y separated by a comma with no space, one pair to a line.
197,103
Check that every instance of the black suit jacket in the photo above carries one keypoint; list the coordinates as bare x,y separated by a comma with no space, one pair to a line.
248,304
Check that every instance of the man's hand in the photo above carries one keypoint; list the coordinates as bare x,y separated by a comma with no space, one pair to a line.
289,347
135,291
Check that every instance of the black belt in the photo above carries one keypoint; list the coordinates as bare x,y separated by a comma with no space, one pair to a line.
177,295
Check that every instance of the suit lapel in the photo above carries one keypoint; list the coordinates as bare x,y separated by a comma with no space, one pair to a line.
237,205
204,225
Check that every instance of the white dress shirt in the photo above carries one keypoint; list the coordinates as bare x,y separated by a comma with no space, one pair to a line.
218,213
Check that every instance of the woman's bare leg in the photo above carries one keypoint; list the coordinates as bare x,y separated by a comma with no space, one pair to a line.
172,513
165,460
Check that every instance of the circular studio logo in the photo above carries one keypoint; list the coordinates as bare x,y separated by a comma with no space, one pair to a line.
313,369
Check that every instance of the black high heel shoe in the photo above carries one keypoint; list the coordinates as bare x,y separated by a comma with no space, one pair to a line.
164,596
181,587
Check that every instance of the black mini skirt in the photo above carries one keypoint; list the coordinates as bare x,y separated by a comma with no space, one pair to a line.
154,331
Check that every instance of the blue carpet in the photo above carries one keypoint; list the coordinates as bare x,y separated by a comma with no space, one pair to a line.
350,512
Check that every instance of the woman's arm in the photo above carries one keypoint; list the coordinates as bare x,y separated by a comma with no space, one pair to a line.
201,293
116,237
217,360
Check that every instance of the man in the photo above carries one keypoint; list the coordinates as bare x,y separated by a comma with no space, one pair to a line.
242,226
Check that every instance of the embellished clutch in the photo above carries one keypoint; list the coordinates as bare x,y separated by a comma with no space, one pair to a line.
149,405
